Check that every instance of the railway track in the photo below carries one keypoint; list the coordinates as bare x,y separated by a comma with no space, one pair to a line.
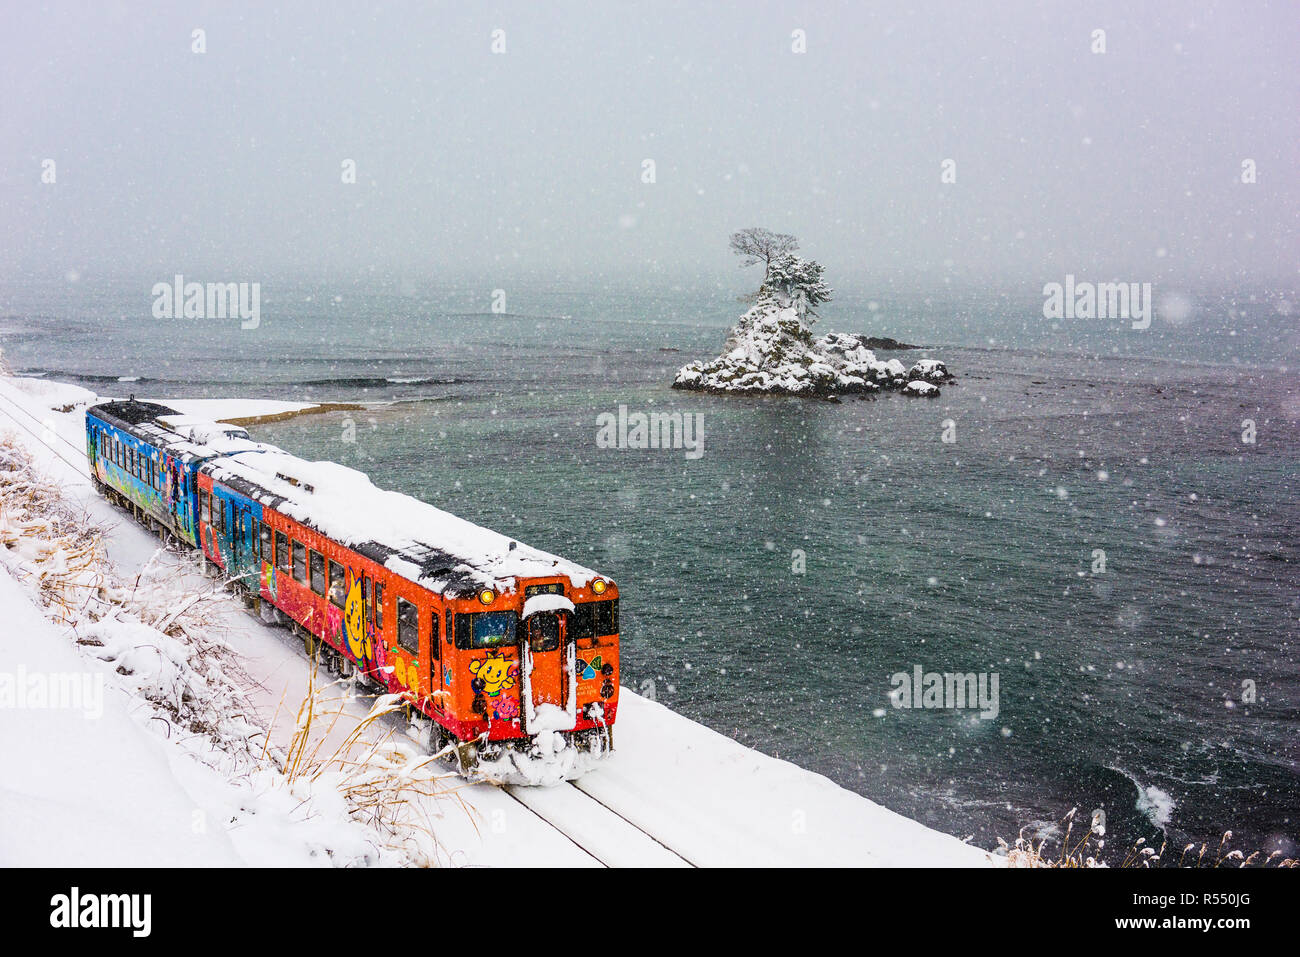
78,465
595,828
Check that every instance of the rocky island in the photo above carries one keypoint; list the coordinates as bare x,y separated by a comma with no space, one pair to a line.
772,351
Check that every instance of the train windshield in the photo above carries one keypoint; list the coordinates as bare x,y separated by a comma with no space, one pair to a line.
492,629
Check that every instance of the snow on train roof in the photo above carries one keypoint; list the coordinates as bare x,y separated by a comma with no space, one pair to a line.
179,434
441,552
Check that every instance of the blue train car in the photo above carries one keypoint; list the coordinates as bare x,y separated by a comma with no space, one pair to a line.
141,464
148,459
231,531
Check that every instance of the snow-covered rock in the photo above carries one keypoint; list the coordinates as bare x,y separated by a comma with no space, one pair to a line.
929,370
771,352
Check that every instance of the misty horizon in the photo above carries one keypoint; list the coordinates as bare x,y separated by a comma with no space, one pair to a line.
226,164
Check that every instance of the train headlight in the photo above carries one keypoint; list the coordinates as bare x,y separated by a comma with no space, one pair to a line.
598,586
487,596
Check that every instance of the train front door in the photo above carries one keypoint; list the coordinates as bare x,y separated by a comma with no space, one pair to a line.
544,634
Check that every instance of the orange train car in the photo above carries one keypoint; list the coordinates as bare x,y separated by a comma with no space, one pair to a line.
495,642
511,653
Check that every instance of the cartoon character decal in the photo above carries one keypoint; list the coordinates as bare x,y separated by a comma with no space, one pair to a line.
505,708
407,673
494,674
354,624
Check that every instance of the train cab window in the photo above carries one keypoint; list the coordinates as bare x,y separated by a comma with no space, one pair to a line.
544,632
486,629
300,561
317,572
338,584
205,506
283,557
408,626
594,618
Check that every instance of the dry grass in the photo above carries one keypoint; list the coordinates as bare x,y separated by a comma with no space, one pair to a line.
386,784
1085,851
51,545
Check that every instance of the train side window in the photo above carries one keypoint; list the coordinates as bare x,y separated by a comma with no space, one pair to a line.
338,584
435,646
408,626
266,547
317,572
379,605
205,507
219,513
367,600
300,561
283,557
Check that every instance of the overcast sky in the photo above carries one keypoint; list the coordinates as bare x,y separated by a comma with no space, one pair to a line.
227,164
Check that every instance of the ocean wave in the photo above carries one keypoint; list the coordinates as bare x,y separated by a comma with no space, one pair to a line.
1153,803
379,382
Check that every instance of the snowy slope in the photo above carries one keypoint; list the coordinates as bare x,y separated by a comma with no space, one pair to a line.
708,799
84,789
